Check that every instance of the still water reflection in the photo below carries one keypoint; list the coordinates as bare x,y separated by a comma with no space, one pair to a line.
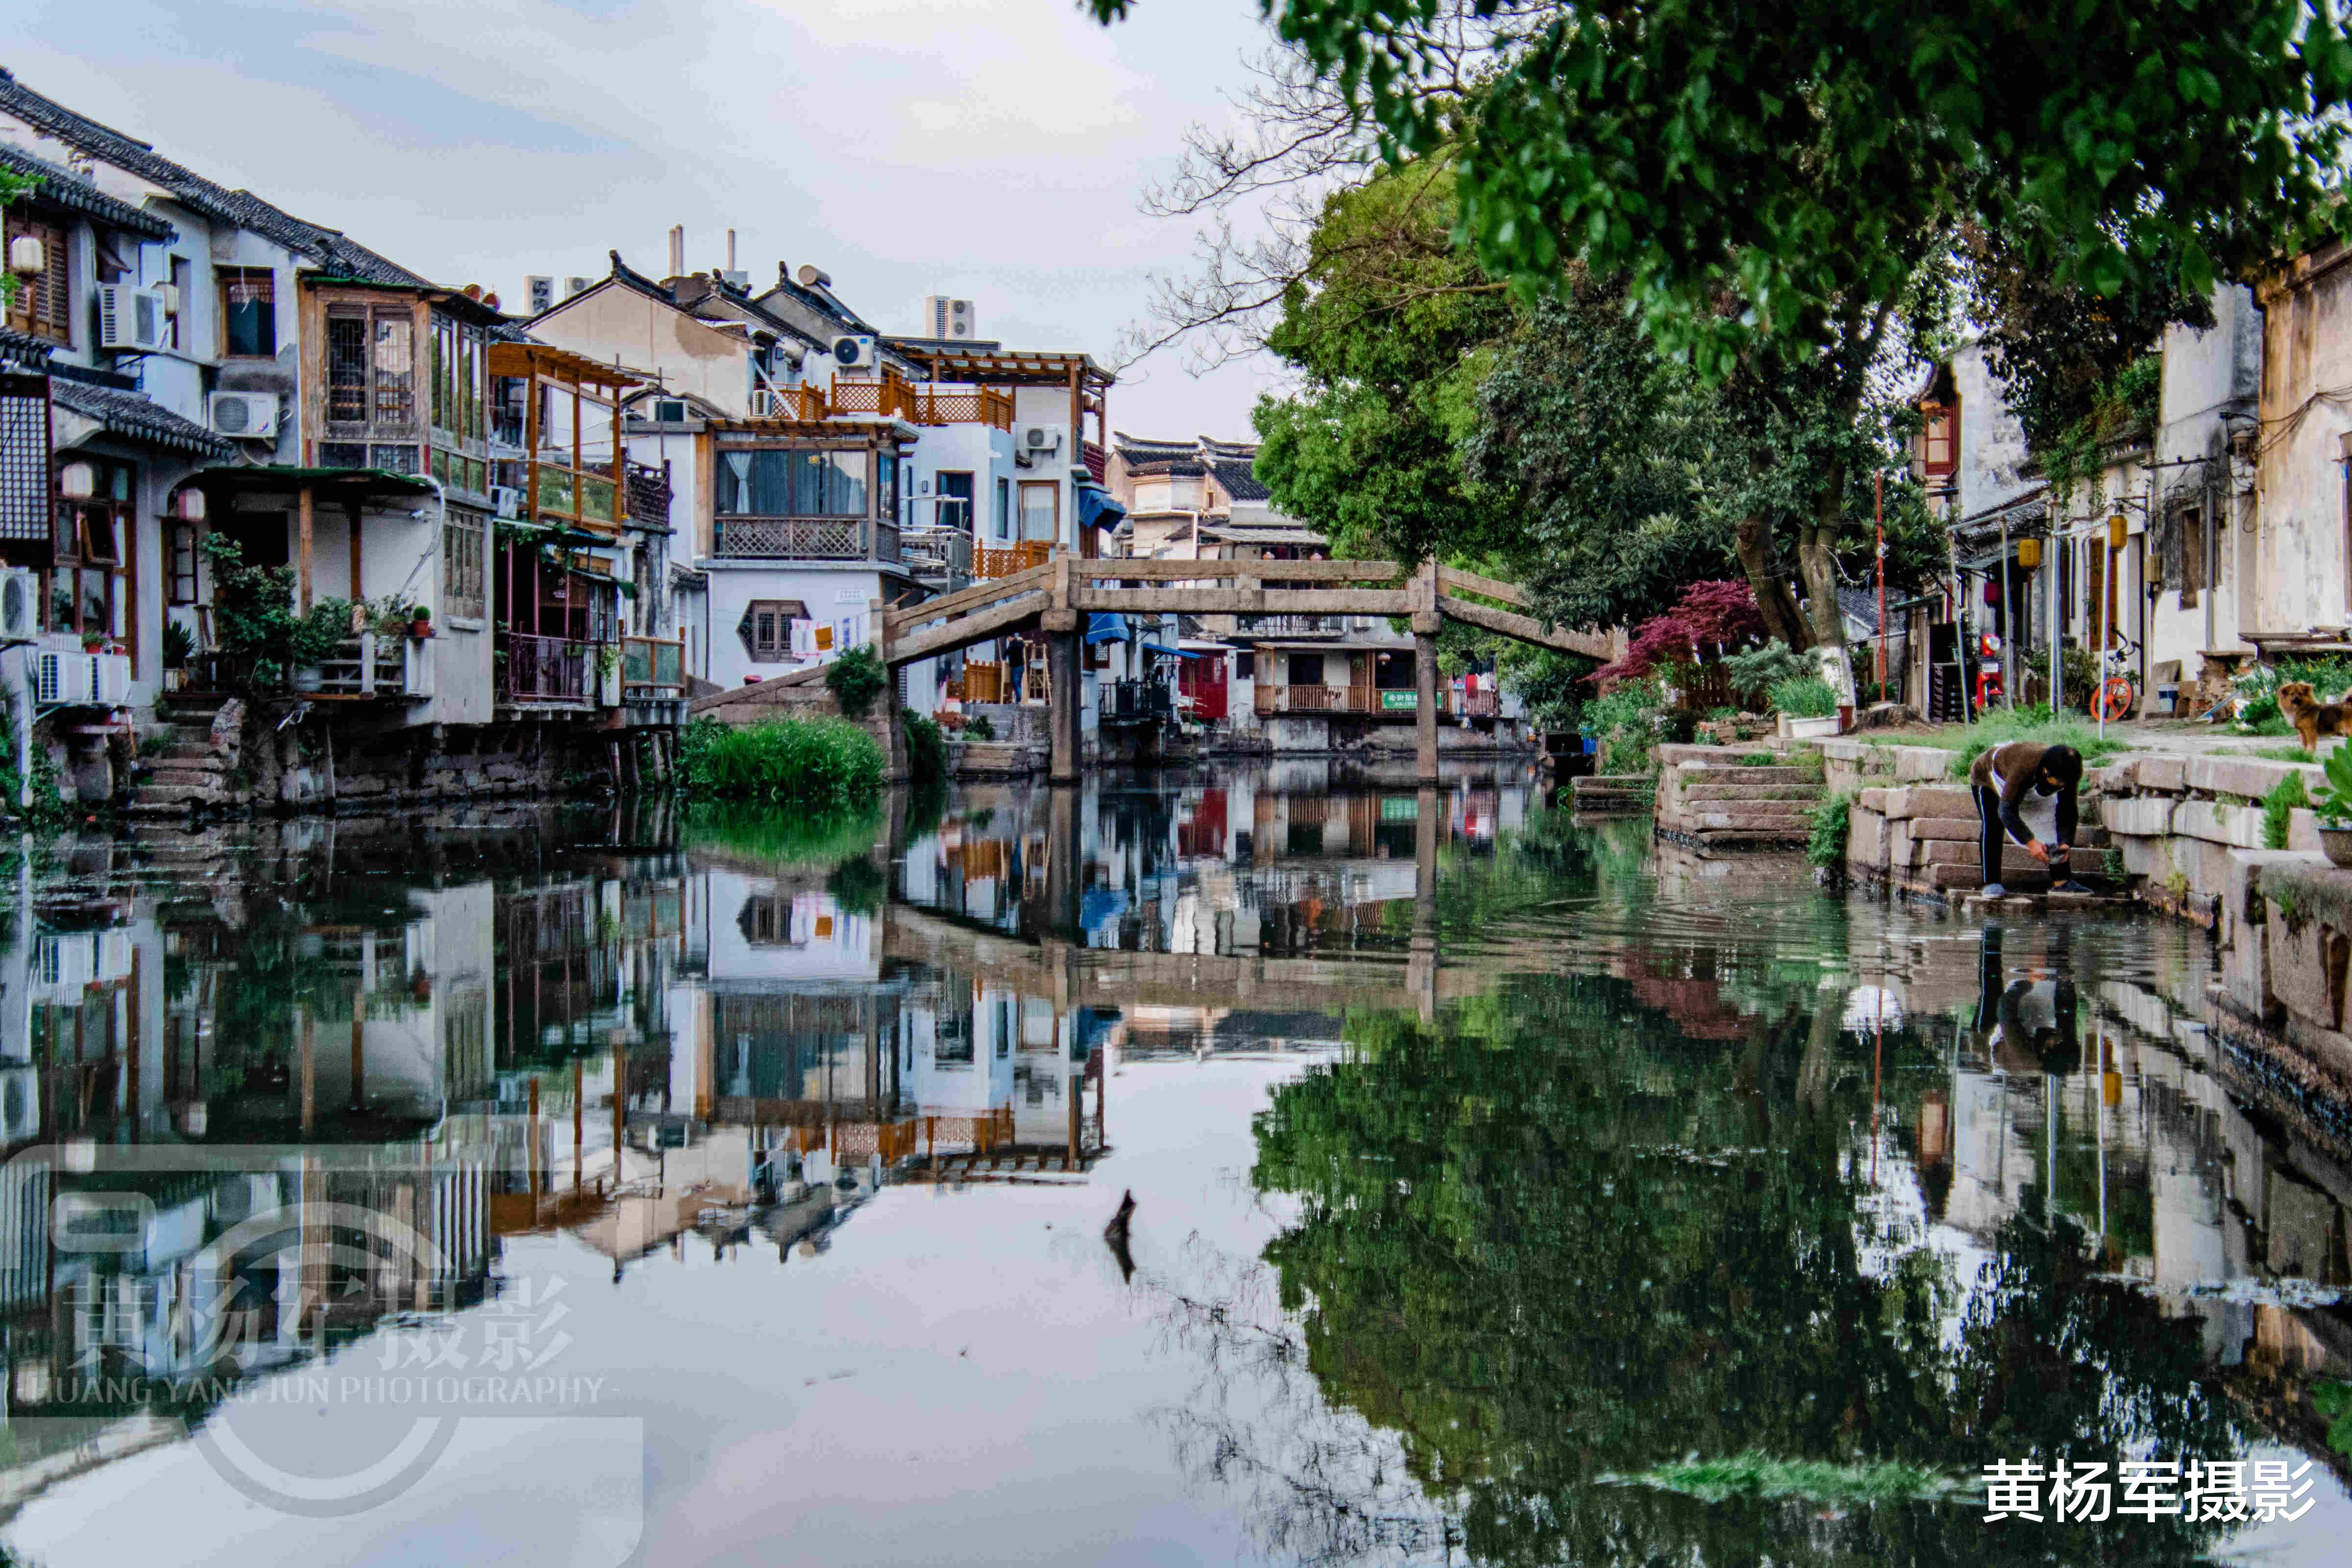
697,1188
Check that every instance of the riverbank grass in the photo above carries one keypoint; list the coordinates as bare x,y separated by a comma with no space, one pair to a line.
1969,741
820,762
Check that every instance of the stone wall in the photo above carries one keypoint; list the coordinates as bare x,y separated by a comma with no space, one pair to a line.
1710,796
2179,821
1914,828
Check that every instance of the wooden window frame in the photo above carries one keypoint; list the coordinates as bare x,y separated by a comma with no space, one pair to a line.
43,305
465,581
777,648
1021,513
1948,414
182,580
227,278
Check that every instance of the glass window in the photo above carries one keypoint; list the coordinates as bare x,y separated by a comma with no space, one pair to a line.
1004,508
886,480
180,567
461,566
775,482
396,371
955,501
248,308
41,304
1041,510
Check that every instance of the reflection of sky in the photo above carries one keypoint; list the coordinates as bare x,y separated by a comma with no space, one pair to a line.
962,1377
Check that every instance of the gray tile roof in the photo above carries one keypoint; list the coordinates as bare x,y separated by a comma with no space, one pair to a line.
131,414
1239,480
23,349
336,255
63,188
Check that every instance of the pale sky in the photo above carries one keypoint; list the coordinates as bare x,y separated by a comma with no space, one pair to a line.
992,150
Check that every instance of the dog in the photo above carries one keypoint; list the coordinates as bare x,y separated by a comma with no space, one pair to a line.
2312,718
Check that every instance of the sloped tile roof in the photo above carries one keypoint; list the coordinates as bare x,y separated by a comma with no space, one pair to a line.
1239,480
334,253
64,188
132,414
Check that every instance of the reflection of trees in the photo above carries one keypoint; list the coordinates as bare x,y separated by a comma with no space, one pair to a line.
1553,1239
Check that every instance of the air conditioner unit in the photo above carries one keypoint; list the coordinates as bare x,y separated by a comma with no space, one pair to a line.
508,500
854,351
766,403
247,416
110,680
1034,443
540,288
63,679
113,952
128,317
20,605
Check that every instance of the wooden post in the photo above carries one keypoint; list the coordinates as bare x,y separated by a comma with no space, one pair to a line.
304,517
1420,961
894,742
579,1118
1425,623
357,596
530,1149
1060,624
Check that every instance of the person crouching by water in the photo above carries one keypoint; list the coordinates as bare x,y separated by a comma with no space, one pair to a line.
2026,792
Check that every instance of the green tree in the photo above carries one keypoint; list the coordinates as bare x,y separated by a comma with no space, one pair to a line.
1781,186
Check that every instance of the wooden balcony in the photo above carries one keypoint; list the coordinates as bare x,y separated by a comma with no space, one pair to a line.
1006,560
1276,700
546,672
805,538
372,666
917,403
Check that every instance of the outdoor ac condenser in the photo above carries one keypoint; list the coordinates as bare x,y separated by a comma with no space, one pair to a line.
110,680
20,605
245,416
129,317
63,679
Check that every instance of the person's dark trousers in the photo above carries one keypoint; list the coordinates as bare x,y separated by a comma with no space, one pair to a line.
1989,814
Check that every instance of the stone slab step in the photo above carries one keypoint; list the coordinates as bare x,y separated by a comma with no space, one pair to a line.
1690,774
183,774
1729,792
188,751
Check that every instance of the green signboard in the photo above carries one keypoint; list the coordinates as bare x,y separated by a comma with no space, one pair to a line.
1400,701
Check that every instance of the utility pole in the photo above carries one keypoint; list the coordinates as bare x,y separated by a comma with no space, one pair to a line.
1878,515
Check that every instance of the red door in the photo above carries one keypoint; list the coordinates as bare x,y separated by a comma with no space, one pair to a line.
1204,682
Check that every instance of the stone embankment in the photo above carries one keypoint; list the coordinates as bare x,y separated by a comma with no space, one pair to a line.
1725,797
1599,793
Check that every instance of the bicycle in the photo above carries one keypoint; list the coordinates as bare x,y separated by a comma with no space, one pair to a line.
2117,691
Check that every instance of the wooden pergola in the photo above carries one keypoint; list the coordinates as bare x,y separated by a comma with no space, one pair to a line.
1089,382
537,364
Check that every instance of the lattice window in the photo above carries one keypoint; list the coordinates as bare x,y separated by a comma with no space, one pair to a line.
347,364
24,458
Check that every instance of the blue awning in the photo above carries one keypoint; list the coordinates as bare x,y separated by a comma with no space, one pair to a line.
1106,627
1097,508
1172,652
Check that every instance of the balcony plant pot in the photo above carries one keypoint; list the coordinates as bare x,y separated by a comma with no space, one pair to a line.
2336,840
1809,729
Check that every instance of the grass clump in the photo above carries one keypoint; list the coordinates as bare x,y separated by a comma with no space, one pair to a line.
797,840
1832,825
1754,1475
822,762
2287,797
2029,723
1806,696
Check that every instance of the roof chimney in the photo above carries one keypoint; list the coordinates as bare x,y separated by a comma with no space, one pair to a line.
730,251
678,250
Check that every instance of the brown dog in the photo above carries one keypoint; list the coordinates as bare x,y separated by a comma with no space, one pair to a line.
2312,718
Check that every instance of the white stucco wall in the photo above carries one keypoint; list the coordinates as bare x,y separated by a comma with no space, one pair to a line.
2299,578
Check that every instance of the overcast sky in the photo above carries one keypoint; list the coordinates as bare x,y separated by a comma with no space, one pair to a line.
988,148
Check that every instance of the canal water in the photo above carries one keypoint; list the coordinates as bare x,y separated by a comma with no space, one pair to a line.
1274,1163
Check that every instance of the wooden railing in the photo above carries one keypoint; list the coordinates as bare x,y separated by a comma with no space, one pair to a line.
369,666
803,538
537,669
795,403
888,396
983,681
1480,704
653,667
1274,699
989,561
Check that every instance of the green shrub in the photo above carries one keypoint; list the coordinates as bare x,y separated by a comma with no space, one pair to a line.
1756,671
1804,697
857,885
979,728
2287,797
1625,724
2335,803
926,747
800,762
1833,821
798,840
856,679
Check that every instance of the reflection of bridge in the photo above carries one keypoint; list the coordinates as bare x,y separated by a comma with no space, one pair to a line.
1072,975
1056,597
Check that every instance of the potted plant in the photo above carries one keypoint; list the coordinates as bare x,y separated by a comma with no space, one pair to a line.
420,621
2334,808
1808,706
312,639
